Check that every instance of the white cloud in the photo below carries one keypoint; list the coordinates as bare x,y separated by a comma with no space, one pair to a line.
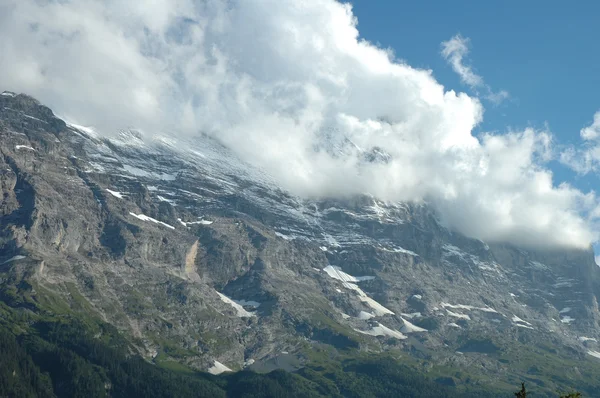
592,132
455,52
587,159
290,87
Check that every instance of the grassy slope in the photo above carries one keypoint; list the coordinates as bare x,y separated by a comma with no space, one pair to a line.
45,332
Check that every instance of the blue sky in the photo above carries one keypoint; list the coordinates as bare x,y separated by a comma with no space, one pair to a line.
541,52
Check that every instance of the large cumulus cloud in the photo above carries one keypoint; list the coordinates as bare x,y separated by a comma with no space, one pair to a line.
291,87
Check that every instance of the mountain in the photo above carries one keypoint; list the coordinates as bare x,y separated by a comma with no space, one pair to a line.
201,262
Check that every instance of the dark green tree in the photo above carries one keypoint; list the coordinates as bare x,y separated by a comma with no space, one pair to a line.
522,393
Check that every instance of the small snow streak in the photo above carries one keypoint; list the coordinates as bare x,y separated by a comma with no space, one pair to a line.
468,307
115,193
381,330
144,217
457,315
15,258
17,147
521,323
411,328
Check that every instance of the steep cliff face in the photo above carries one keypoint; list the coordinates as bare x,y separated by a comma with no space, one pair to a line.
182,245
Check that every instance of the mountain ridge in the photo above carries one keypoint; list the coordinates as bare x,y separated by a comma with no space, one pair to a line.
188,250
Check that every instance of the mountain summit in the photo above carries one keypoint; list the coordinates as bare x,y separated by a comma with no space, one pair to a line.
201,260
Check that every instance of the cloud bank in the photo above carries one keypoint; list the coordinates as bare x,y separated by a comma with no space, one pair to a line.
291,87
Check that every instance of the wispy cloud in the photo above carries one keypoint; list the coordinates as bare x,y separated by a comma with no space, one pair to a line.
592,132
287,85
455,52
587,159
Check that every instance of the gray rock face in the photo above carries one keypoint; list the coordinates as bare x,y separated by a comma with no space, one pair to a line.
183,245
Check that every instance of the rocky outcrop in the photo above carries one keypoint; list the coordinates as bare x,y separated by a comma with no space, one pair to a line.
183,245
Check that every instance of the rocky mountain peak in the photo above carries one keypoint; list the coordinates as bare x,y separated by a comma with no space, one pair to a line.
182,244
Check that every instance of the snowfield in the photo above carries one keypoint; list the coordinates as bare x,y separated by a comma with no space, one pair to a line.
241,312
218,368
381,330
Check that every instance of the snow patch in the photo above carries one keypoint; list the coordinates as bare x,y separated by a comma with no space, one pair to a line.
331,240
95,167
381,330
517,319
163,199
34,118
285,237
565,310
412,315
144,217
454,325
248,303
17,147
323,248
468,307
218,368
410,328
524,326
457,315
188,223
567,319
143,173
521,323
417,296
583,339
365,315
379,309
594,353
453,251
201,222
337,273
241,312
399,249
15,258
115,193
404,251
87,130
8,94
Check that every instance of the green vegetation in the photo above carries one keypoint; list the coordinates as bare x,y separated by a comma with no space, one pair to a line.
50,356
63,358
522,393
53,346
